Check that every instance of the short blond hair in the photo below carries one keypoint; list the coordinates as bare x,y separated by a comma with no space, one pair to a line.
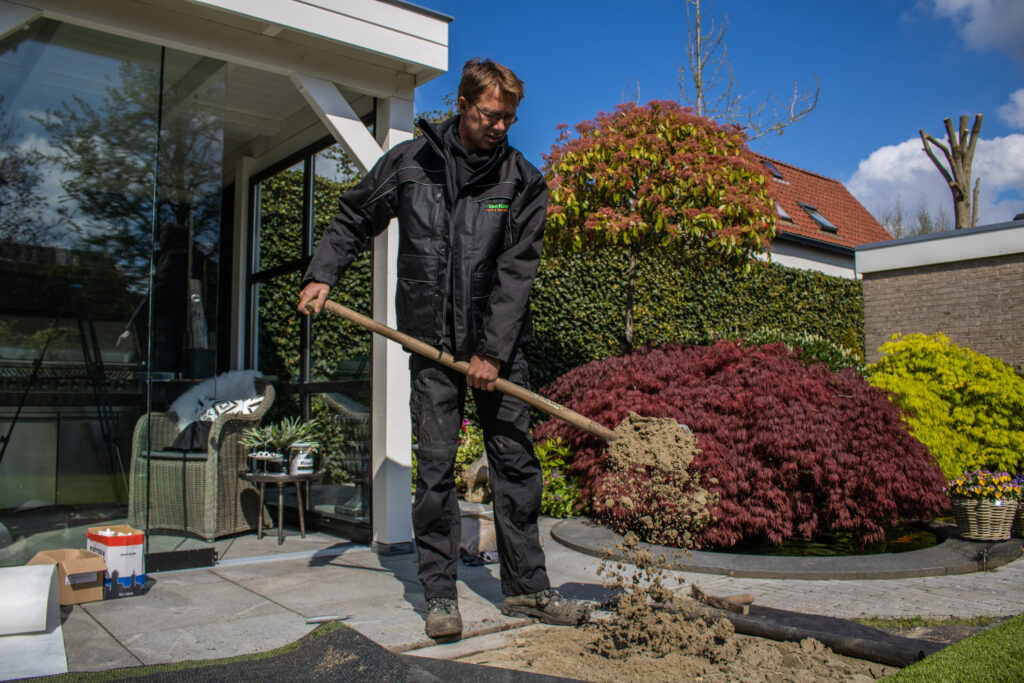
479,76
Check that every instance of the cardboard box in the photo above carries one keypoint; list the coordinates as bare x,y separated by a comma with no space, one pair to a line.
122,548
79,573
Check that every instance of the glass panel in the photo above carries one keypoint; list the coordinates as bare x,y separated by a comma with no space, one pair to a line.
78,143
280,218
340,350
340,353
335,174
188,216
344,456
278,324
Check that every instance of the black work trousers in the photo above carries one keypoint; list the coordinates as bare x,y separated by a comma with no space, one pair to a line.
438,401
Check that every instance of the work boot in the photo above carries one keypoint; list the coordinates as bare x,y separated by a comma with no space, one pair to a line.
444,622
548,606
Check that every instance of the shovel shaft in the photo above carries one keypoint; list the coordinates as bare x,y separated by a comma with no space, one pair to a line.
503,385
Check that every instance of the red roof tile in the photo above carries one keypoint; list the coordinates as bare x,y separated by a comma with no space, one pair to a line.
831,198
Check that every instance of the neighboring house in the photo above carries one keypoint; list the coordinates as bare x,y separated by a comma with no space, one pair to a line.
819,222
963,283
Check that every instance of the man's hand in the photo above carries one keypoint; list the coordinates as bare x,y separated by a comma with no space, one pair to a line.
483,370
312,297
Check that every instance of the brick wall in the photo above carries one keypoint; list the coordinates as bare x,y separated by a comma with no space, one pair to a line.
977,303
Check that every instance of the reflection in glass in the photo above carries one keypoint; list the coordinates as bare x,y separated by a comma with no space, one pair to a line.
278,323
344,456
280,218
336,391
78,140
188,215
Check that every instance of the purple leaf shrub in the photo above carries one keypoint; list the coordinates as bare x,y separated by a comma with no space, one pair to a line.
789,449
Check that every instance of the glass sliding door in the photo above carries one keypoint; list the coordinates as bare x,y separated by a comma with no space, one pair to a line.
79,137
320,367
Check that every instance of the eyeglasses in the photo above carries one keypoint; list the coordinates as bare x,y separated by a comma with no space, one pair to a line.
492,117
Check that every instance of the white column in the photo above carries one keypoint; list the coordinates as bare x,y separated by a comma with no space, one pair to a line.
392,433
240,295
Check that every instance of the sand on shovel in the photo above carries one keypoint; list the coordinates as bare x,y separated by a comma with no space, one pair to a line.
665,503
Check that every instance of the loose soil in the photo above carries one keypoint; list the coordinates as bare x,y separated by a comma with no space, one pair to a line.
570,652
651,631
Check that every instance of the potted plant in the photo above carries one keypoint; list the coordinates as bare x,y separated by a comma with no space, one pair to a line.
274,444
984,504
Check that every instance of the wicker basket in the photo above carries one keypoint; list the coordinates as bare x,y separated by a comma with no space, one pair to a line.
982,520
1018,521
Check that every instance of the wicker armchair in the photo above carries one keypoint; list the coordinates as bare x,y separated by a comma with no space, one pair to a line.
200,495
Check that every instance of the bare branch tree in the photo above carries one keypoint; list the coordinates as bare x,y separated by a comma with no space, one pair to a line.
708,83
959,156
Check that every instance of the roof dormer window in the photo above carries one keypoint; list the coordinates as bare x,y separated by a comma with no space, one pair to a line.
783,214
771,167
823,223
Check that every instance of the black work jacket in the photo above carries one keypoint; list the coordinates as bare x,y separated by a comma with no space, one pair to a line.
478,245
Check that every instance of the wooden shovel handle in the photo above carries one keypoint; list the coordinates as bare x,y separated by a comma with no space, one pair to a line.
503,385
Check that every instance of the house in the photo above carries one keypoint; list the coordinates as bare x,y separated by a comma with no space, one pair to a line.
819,223
161,195
964,283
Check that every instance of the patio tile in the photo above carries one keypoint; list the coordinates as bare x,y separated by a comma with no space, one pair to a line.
179,603
238,636
89,647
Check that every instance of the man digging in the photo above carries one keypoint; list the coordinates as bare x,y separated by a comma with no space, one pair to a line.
471,216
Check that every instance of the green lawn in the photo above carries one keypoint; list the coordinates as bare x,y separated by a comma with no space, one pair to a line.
993,656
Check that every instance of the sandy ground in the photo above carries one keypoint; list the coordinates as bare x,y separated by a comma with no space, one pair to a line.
577,653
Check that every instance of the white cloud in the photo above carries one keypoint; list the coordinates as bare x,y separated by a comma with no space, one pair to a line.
905,172
987,24
1013,111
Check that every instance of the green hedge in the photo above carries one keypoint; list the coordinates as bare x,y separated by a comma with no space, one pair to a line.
579,299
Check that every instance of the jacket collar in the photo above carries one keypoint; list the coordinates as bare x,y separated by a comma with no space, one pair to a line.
434,133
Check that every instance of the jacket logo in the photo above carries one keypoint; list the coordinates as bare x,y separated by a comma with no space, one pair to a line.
497,207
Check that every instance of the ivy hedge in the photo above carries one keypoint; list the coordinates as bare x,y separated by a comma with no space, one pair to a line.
579,299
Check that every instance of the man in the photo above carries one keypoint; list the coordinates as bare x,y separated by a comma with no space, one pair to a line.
471,215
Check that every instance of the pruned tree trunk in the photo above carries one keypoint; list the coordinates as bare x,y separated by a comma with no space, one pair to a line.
959,157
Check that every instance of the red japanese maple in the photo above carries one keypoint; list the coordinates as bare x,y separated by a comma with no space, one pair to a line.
795,449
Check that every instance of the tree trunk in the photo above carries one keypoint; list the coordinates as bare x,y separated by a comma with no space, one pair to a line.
627,335
959,157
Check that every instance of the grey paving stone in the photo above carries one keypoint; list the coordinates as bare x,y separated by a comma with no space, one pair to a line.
172,605
215,640
89,647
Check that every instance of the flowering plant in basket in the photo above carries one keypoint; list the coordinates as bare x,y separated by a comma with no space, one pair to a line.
1017,486
985,485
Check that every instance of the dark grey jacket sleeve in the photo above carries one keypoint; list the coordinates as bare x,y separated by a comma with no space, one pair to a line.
363,213
509,302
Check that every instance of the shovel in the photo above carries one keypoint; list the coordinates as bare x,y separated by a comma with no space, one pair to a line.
503,385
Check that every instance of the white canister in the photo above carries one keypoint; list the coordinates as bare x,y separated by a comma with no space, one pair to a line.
300,459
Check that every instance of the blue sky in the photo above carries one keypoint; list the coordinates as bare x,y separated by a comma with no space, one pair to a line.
886,68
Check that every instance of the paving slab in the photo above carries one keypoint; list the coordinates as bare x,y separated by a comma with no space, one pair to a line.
214,640
90,646
180,604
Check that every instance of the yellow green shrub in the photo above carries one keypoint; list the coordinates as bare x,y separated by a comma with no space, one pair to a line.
967,408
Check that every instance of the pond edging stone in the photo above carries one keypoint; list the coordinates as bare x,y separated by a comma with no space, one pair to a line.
953,555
